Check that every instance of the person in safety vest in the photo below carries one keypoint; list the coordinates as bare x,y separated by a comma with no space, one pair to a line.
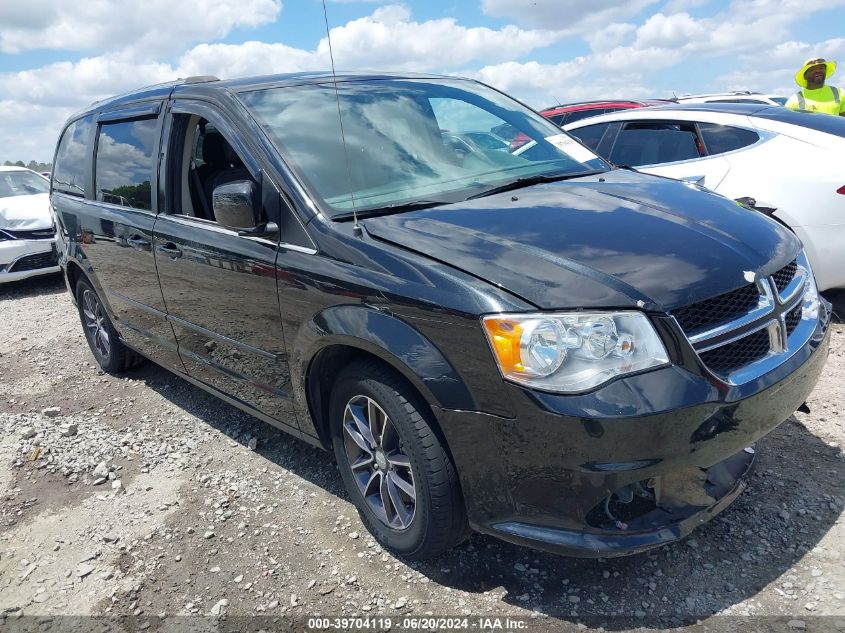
814,96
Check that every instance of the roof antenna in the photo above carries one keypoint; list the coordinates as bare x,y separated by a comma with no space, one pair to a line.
356,228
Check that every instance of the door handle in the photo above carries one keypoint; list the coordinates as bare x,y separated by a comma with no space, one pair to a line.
137,241
170,249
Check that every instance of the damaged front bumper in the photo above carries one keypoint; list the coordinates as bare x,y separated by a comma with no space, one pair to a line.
696,497
636,464
25,258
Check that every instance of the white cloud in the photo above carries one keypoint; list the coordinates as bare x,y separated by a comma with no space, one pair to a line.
570,16
74,85
610,36
30,131
161,26
683,6
670,31
541,85
249,58
775,72
61,88
38,101
626,57
370,43
374,41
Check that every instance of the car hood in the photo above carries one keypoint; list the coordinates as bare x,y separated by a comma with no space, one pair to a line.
622,239
25,213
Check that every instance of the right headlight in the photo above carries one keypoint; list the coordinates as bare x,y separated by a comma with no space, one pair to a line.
811,292
569,352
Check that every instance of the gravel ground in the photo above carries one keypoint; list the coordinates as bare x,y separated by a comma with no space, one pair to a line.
144,496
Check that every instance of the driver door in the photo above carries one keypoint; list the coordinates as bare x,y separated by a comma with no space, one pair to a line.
219,287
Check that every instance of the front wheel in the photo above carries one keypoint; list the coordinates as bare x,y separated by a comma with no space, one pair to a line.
394,467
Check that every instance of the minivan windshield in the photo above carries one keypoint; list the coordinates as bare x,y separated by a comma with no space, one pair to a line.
21,183
411,143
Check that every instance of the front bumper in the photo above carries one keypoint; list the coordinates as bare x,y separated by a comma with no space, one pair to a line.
544,478
22,259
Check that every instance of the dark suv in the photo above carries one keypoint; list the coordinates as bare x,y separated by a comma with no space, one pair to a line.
527,343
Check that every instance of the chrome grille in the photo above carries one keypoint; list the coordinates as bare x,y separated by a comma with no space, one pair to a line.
725,307
785,275
792,319
734,355
736,332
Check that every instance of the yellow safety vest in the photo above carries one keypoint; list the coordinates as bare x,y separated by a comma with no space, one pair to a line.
826,99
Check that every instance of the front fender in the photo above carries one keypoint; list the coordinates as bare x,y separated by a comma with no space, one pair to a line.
391,339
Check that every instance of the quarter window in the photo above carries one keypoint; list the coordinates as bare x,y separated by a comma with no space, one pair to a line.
724,138
655,143
124,163
72,158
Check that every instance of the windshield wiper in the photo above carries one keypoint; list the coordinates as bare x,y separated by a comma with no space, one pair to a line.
527,181
389,209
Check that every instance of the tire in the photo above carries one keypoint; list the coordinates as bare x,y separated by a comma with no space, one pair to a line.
111,354
403,482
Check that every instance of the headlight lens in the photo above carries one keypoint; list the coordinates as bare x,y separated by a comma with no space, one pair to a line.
811,293
571,352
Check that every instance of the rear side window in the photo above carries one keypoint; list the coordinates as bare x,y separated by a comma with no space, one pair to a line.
724,138
72,158
590,135
124,164
647,143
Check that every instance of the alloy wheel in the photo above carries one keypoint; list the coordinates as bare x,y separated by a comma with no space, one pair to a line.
379,464
95,323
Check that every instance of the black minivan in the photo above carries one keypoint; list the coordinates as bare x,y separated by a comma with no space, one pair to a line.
515,338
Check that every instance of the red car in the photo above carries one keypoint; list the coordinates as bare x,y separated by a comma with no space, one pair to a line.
562,114
570,112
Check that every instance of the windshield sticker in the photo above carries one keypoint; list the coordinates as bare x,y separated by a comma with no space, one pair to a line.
572,147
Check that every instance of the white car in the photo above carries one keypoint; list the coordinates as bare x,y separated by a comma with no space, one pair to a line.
789,162
27,233
738,96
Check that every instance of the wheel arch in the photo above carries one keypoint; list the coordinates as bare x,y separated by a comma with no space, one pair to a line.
351,333
73,273
74,270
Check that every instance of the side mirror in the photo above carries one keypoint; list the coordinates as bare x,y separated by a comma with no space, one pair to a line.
234,204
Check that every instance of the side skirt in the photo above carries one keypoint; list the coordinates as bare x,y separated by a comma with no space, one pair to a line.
309,439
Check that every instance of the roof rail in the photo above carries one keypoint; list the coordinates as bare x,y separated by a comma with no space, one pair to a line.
201,79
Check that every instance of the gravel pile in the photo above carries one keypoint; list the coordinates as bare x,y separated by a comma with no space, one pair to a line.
86,449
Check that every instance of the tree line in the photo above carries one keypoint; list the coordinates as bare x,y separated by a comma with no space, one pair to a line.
33,165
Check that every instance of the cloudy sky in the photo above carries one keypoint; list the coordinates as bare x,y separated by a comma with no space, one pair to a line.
58,56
